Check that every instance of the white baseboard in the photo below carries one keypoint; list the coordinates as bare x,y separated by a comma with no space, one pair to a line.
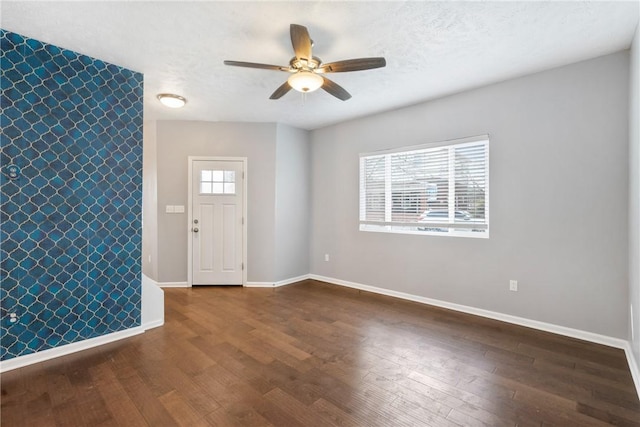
278,283
633,366
151,316
292,280
534,324
259,285
172,284
543,326
41,356
154,324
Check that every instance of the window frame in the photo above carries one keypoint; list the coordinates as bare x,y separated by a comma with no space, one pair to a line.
475,229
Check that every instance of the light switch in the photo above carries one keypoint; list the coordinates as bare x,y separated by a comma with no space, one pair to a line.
179,208
170,209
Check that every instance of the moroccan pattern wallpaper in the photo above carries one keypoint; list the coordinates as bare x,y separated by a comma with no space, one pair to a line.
71,197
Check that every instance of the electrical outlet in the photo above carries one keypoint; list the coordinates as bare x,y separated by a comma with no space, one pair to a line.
513,285
326,257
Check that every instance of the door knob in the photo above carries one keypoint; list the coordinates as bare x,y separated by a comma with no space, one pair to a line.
195,230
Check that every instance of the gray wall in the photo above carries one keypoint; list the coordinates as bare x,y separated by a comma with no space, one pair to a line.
176,140
292,202
634,196
558,199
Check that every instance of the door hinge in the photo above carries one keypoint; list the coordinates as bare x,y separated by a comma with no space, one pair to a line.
242,174
242,220
242,266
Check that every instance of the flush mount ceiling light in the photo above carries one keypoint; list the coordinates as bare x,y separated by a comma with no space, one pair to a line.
305,81
172,101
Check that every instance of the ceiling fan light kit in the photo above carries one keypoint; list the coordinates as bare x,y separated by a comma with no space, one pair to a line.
307,69
171,100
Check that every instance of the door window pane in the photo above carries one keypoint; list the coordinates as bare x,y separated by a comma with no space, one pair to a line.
217,188
217,182
217,176
205,188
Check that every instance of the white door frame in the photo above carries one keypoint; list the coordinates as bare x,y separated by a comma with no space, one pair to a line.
191,159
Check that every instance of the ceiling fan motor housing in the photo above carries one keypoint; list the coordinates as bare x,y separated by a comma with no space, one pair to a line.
302,63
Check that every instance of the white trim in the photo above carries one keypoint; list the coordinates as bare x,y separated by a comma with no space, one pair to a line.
633,366
190,160
259,284
152,313
151,317
245,223
543,326
173,284
428,145
153,324
292,280
278,283
41,356
447,161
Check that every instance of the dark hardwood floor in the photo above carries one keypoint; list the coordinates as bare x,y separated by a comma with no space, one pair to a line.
313,354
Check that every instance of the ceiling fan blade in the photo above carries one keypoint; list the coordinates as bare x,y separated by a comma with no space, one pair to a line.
301,41
335,89
256,65
283,89
352,65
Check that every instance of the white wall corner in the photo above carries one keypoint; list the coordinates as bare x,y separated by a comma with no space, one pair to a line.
633,351
152,304
291,280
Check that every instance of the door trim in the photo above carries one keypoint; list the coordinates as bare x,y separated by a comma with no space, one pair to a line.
190,160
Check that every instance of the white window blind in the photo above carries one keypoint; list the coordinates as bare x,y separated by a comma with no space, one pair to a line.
440,188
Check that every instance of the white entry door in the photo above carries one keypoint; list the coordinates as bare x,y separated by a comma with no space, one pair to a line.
217,222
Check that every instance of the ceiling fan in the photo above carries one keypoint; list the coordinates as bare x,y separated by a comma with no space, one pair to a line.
306,70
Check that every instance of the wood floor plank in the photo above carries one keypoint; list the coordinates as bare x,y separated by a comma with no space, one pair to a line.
147,403
314,354
242,403
284,346
119,405
180,409
302,414
337,416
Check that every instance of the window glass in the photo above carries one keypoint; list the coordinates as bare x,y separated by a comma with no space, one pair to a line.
437,188
217,182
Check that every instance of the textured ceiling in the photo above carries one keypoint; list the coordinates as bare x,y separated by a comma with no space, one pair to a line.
432,48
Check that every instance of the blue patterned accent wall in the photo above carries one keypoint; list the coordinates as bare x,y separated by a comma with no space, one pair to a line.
71,188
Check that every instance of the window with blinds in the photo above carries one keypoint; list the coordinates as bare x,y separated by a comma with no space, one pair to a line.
440,188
